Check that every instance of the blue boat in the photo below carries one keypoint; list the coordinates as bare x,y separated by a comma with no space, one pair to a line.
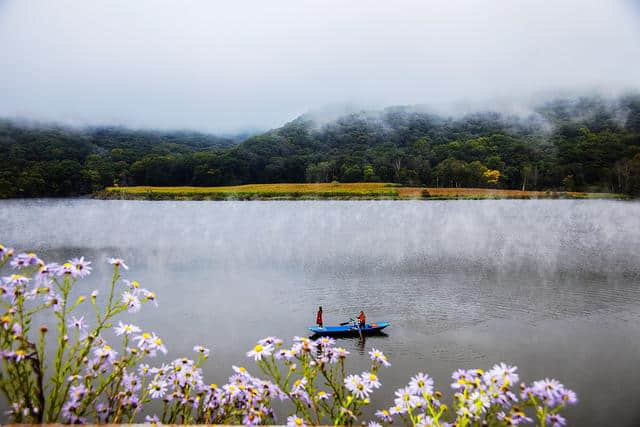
350,329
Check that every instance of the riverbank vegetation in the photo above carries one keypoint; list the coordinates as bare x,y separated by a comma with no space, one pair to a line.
340,191
587,144
79,366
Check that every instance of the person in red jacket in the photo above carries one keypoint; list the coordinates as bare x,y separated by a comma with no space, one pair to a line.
319,317
361,319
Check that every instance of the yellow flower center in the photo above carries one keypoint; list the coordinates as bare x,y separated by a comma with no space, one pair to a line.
158,341
298,421
135,284
146,335
258,348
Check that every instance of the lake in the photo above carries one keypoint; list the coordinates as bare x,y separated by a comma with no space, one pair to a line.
552,286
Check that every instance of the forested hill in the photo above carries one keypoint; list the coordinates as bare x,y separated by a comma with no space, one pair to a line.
50,160
572,144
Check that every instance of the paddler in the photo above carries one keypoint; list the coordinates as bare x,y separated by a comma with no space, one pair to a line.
319,317
361,320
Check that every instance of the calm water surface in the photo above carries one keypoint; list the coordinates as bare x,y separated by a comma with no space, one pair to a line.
551,286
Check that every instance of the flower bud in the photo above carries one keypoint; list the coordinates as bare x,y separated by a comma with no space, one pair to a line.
43,329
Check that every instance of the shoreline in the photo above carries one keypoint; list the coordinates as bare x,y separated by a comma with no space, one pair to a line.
338,191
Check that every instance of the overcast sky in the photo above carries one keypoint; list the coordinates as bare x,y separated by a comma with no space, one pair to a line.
222,66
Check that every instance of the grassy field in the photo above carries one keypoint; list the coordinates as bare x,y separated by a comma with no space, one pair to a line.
339,191
494,193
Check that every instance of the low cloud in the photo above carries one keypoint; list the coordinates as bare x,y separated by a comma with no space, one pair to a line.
253,64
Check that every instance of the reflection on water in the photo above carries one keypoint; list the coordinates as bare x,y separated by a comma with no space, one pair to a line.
551,286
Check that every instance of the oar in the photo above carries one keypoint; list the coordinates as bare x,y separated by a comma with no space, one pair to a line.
346,323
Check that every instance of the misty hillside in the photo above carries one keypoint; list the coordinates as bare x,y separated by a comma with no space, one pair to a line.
588,143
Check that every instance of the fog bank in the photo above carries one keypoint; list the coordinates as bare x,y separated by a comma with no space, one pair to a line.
224,67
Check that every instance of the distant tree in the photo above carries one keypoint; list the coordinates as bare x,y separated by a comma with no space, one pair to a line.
368,173
492,176
351,173
568,183
527,169
319,172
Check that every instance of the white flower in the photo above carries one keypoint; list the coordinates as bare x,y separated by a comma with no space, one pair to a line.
357,386
406,399
421,384
371,379
105,352
125,328
132,302
202,350
154,420
143,369
299,386
118,262
150,343
503,373
284,353
379,357
479,401
295,421
157,388
260,351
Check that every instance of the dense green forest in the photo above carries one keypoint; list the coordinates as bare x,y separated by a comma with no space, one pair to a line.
588,143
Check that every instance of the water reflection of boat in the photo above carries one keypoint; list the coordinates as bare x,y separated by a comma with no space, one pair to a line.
350,329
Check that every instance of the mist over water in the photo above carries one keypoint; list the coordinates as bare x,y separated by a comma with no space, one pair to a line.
549,285
547,236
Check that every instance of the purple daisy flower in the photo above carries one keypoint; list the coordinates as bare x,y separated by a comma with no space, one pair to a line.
202,350
81,266
378,357
25,260
118,262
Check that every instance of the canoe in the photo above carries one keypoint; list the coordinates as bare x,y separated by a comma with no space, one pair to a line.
350,329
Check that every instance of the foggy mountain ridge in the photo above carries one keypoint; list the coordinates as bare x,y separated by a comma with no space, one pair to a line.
582,143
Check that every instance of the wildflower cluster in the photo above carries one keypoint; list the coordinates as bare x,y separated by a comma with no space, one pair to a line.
91,380
86,378
490,398
311,375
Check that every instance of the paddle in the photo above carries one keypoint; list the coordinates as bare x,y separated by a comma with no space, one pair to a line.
346,323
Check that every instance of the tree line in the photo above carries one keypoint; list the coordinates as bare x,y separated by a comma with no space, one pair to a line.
588,144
